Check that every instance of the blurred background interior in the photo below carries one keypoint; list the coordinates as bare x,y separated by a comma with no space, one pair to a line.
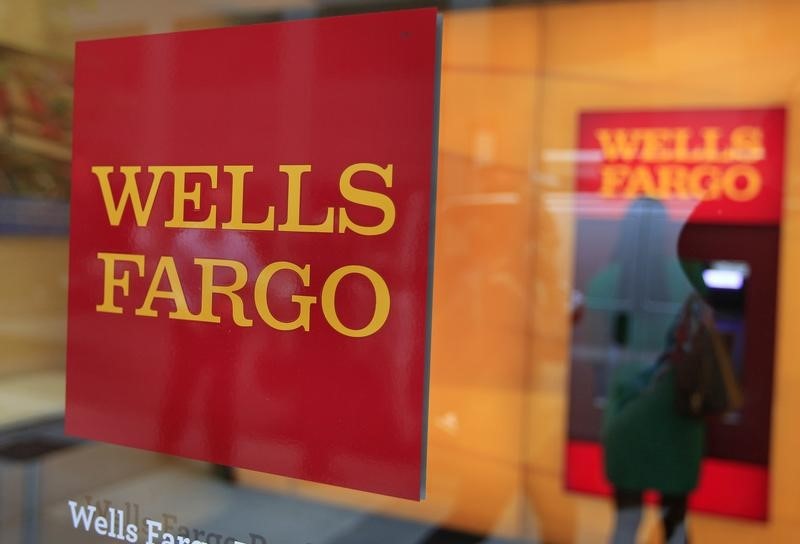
515,78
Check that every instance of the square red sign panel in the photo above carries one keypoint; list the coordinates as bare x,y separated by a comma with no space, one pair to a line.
251,243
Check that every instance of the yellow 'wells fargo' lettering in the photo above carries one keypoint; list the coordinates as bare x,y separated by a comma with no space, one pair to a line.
191,185
681,144
739,182
679,163
165,283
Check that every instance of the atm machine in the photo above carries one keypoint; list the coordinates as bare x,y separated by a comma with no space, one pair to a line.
654,199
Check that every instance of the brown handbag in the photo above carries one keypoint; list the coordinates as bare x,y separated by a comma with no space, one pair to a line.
705,383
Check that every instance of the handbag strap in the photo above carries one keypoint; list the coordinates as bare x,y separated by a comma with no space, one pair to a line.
723,361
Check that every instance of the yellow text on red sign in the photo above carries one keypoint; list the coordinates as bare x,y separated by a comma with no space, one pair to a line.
681,162
187,188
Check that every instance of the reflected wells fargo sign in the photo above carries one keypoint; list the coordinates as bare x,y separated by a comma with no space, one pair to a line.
733,158
251,246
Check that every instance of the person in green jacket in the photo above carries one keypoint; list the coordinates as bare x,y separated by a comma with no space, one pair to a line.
647,444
